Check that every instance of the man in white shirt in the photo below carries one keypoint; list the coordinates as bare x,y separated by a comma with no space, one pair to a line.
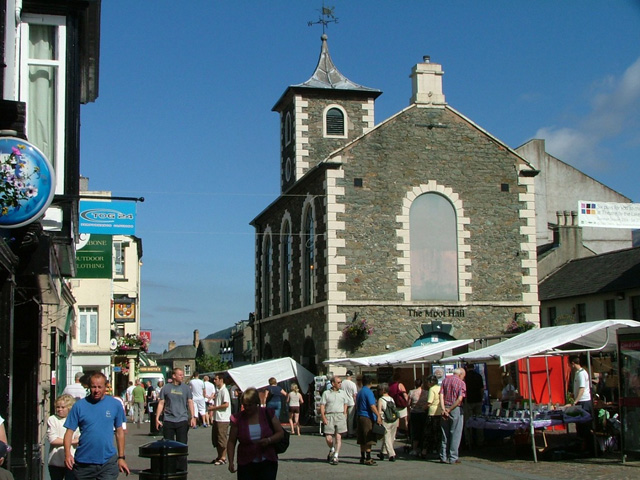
76,390
197,391
333,409
222,414
209,396
128,396
582,398
350,388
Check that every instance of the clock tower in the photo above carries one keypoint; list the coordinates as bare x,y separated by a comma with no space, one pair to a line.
319,116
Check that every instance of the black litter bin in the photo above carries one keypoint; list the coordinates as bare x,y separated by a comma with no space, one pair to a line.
164,455
153,406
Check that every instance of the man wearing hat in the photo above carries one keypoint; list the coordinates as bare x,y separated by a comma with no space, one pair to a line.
351,390
4,450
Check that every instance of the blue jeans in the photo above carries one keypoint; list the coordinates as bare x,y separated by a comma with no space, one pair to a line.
94,471
451,435
276,406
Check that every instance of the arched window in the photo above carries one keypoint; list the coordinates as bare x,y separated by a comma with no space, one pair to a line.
434,248
267,267
287,264
308,238
287,129
334,121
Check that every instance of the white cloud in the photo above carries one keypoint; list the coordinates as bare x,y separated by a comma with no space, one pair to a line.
615,113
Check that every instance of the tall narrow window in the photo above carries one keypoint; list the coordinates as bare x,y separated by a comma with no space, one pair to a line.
635,307
88,318
434,248
581,312
267,264
335,122
286,267
287,129
118,258
308,238
610,308
42,86
552,316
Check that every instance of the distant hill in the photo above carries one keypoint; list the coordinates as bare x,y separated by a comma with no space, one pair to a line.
220,335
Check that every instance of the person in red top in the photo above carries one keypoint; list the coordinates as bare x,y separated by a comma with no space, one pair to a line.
256,430
452,393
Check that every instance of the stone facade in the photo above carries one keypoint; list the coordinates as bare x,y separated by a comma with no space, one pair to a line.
362,188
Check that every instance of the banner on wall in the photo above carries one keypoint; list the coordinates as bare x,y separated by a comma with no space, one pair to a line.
608,214
108,217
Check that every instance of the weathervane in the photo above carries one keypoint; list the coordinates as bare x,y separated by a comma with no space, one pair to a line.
326,17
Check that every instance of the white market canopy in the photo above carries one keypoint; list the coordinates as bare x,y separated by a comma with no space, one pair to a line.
425,353
258,374
599,335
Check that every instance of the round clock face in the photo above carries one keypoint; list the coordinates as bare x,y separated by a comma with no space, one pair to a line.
287,169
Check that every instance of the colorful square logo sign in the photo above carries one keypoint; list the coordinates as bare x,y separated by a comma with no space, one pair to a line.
588,208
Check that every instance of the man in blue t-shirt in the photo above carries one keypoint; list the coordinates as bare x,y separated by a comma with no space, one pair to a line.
97,416
367,413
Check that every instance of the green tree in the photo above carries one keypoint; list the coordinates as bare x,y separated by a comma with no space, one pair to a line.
210,363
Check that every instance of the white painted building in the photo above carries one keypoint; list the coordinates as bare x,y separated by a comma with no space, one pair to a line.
107,292
558,188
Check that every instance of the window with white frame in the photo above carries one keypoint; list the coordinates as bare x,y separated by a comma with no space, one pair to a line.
286,267
288,133
434,248
42,85
187,369
334,122
88,332
118,258
308,277
267,268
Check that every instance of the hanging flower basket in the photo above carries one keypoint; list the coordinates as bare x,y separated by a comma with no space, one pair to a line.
518,325
131,343
355,333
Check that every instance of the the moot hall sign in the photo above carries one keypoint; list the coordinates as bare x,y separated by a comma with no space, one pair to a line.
438,312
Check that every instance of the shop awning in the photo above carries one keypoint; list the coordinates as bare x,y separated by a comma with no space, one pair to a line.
257,374
599,335
422,353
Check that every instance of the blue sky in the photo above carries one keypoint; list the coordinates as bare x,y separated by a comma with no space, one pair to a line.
186,89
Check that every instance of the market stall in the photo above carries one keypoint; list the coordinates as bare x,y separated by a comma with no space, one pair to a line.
423,353
257,374
589,337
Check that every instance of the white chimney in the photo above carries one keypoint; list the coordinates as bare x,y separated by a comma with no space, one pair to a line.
426,83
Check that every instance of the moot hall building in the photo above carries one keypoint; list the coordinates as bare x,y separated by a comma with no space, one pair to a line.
422,217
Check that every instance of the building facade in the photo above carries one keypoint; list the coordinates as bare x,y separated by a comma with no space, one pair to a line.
423,217
558,189
50,53
605,286
107,311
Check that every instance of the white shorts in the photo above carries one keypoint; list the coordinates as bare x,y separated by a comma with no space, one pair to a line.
200,405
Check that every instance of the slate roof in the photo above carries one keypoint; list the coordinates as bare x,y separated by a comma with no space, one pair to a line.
181,351
610,272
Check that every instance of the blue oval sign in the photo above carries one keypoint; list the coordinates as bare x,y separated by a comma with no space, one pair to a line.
27,183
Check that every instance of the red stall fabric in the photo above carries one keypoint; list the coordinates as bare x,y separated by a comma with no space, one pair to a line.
558,377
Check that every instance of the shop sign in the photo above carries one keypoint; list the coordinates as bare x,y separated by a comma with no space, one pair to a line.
108,217
27,183
124,310
94,256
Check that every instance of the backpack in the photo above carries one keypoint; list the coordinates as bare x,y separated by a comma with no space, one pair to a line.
390,413
398,395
